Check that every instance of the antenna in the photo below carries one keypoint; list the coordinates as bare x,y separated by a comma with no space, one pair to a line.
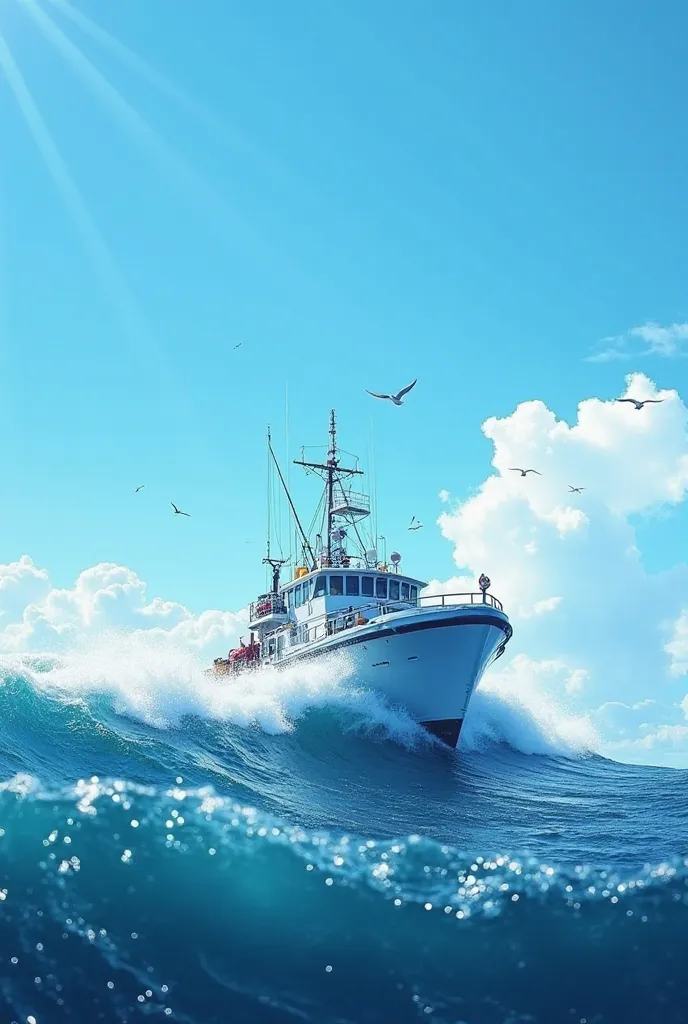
332,472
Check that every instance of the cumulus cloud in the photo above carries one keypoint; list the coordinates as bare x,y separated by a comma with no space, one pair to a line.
35,616
567,566
650,339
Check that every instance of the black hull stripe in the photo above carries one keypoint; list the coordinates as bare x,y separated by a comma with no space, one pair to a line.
407,627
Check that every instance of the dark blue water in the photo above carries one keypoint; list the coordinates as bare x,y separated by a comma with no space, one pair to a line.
171,851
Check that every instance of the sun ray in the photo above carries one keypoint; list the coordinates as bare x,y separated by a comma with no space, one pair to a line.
217,126
142,344
165,85
168,161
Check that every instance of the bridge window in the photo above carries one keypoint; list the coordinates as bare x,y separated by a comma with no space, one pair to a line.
367,586
320,586
404,591
352,586
414,593
297,595
336,586
394,590
306,593
381,587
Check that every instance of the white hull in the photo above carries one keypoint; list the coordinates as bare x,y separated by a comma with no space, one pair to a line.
428,660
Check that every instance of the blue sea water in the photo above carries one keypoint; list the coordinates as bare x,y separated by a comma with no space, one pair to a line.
291,850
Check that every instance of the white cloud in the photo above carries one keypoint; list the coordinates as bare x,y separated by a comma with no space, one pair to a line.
650,339
34,616
677,647
567,566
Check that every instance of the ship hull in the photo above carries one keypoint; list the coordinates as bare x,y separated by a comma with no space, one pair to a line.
427,661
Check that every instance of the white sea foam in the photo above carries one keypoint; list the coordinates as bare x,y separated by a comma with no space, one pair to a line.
160,684
524,706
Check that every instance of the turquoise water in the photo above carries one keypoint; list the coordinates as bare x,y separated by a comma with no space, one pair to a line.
296,851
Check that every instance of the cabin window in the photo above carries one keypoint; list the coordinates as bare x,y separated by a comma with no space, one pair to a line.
297,595
414,593
367,586
306,592
320,586
394,590
381,588
404,591
336,586
352,586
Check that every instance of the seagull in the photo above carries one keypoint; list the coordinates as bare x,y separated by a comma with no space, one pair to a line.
418,525
395,399
576,490
637,404
237,346
178,511
517,469
139,488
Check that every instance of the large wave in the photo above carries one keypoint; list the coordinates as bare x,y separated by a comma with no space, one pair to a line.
161,684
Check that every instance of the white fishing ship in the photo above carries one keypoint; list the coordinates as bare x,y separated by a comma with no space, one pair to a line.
424,652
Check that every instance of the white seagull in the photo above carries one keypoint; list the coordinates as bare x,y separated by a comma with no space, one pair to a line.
638,405
415,524
517,469
178,511
395,399
576,490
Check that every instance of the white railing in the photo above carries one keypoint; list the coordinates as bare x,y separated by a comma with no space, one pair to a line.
444,600
268,604
337,622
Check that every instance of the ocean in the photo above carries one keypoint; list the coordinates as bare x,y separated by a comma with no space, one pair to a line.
290,849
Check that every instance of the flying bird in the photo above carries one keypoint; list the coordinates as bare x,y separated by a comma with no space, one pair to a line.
638,405
415,524
178,512
576,490
140,488
517,469
395,399
237,346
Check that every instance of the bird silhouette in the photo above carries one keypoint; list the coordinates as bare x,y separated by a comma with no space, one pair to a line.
395,399
139,488
238,345
576,490
178,512
638,405
415,524
517,469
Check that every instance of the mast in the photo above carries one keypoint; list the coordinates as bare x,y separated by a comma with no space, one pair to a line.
330,470
306,545
274,563
331,467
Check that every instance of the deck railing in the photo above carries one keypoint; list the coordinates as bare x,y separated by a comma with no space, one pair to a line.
336,622
268,604
444,600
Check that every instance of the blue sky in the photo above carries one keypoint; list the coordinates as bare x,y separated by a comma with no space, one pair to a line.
360,193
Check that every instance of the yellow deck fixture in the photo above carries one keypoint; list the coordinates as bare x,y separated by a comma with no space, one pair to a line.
301,571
